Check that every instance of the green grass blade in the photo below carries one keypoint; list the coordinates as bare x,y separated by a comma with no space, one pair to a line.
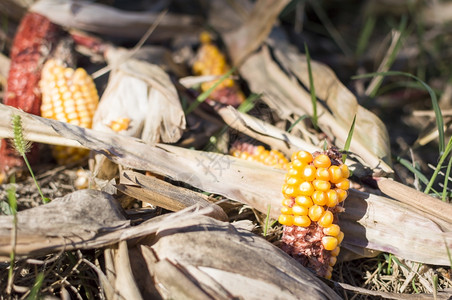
201,98
446,180
267,219
11,194
438,167
349,140
363,40
311,88
296,122
249,103
438,114
34,293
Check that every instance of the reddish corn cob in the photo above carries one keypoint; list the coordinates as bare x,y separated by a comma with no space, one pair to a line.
272,158
70,96
34,40
210,61
314,187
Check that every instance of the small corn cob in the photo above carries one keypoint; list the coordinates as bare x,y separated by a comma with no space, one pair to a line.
70,96
35,39
314,187
272,158
210,61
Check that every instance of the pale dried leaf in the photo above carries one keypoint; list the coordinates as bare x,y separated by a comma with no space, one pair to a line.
287,97
224,259
144,94
103,19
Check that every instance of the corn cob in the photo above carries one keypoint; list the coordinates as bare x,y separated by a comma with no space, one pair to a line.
314,187
272,158
210,61
70,96
35,38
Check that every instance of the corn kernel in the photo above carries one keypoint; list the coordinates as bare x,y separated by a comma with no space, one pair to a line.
319,198
322,174
342,194
335,252
340,237
332,230
285,220
321,185
302,221
327,219
344,184
308,173
286,210
304,156
315,212
299,210
322,161
345,171
332,198
332,261
336,174
306,188
305,201
329,242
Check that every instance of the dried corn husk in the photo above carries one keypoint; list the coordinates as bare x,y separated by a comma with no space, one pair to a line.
369,221
144,94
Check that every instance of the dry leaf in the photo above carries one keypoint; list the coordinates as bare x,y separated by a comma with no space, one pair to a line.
103,19
142,93
220,261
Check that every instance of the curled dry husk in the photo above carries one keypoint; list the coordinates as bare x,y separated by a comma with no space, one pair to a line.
142,93
103,19
370,222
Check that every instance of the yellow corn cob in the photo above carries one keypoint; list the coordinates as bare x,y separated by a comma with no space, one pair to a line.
210,61
70,96
318,183
272,158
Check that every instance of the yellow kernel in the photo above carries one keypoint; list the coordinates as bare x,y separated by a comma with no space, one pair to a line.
335,252
327,219
304,156
332,198
288,202
302,221
332,261
315,212
322,174
305,201
308,173
306,188
286,210
332,230
293,181
319,198
297,164
285,220
345,171
335,174
292,172
299,210
340,237
343,184
329,242
342,194
322,161
290,191
321,185
328,274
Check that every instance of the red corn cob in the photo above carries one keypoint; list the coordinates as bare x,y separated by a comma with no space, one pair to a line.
34,40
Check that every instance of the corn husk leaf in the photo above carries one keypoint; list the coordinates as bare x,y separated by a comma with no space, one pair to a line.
103,19
144,94
370,222
192,259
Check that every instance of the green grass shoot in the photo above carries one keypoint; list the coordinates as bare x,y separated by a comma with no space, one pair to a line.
349,140
296,122
201,98
249,103
267,219
436,108
416,172
364,37
443,157
11,192
311,88
35,290
22,146
446,180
